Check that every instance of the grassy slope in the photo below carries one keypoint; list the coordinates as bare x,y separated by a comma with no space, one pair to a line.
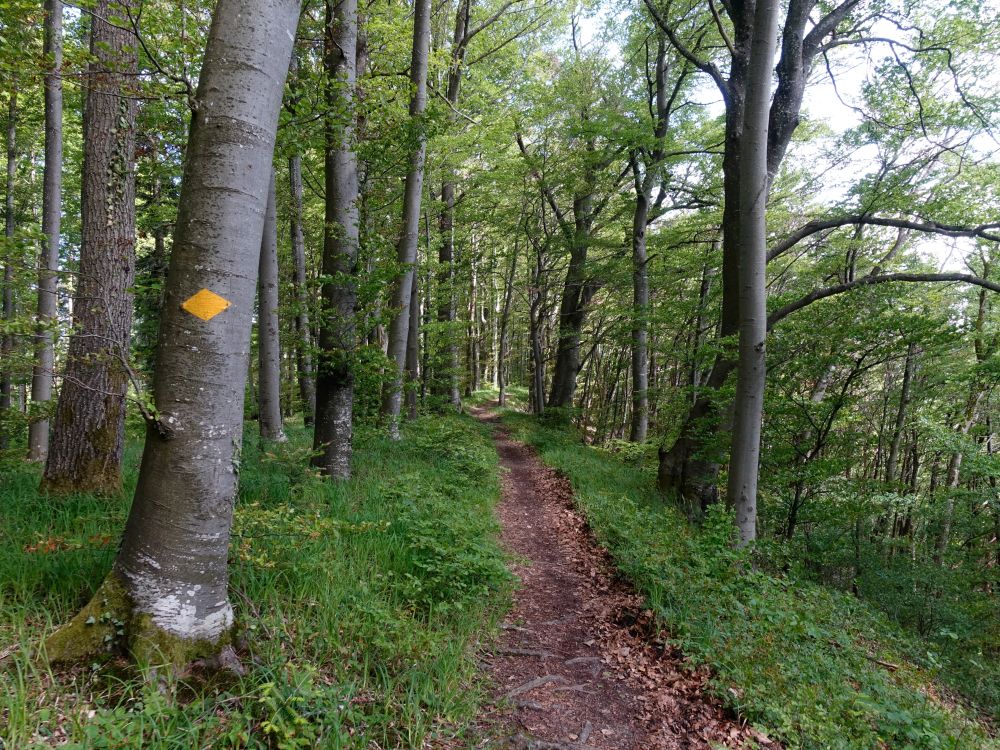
363,603
801,661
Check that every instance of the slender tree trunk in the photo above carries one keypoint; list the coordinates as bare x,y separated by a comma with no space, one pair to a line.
573,308
447,308
303,349
7,341
904,402
85,450
640,323
268,331
754,179
504,346
406,250
413,350
169,584
335,382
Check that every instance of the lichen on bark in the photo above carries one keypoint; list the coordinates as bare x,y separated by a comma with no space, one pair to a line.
109,624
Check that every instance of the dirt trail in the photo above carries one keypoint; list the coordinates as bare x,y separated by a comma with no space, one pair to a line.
578,666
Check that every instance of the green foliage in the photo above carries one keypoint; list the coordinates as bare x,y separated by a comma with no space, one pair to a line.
801,661
358,603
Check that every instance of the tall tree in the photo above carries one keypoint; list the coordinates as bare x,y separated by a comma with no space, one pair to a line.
754,184
169,584
335,375
87,441
7,339
268,331
406,249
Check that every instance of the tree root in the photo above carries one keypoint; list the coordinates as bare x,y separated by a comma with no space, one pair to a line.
108,624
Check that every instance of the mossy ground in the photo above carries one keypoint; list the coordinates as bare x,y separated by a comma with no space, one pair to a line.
358,605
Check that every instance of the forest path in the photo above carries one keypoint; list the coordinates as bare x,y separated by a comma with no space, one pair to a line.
577,666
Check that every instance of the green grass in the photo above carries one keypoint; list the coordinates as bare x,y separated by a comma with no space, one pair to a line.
798,659
362,604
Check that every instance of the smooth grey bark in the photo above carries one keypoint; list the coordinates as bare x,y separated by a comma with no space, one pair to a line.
644,182
87,441
413,350
406,249
268,331
303,349
741,492
170,579
688,469
448,363
503,345
337,334
7,341
904,402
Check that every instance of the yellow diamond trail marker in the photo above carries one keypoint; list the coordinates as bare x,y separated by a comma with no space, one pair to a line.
205,304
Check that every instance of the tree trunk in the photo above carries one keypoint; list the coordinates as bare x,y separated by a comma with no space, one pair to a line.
85,450
573,308
447,381
904,402
413,350
48,261
335,382
268,332
754,179
169,584
7,341
303,349
504,346
406,250
640,322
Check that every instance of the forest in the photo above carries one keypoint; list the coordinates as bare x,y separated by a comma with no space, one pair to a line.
510,374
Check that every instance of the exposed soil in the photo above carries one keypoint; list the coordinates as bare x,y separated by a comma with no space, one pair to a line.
579,665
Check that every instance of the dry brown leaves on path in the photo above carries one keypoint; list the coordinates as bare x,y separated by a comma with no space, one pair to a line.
578,665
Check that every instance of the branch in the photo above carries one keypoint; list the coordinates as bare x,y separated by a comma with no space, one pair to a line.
818,294
704,66
983,231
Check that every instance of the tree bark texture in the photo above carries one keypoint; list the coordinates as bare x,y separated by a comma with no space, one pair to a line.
170,579
335,372
413,350
577,292
754,180
7,341
85,449
406,249
268,332
303,349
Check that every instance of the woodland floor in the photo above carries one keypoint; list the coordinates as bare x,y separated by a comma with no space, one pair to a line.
579,665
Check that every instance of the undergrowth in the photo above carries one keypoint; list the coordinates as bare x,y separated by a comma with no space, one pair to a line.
817,668
361,604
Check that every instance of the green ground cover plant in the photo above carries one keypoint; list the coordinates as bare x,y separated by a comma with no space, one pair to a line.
810,665
361,604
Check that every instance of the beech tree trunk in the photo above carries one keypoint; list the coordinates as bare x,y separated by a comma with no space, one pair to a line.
904,402
577,293
413,349
268,333
169,584
688,470
304,358
406,250
754,180
7,341
504,335
335,375
448,362
85,450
